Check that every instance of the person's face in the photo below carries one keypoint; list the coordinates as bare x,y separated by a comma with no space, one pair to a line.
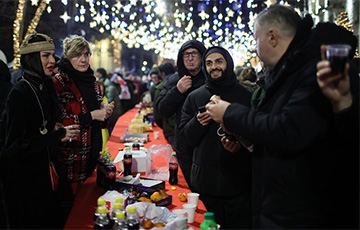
192,60
215,65
98,75
81,62
47,58
155,78
262,45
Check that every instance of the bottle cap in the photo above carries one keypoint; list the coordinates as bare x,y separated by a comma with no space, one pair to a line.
120,215
101,201
131,209
209,216
119,199
101,210
117,206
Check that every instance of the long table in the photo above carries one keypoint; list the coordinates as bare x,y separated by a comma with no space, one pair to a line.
81,215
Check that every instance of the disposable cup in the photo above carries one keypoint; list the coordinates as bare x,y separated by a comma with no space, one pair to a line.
338,56
193,198
190,209
156,134
180,212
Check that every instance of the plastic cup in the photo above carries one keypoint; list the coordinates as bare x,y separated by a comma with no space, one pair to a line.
338,56
190,209
193,198
180,212
156,135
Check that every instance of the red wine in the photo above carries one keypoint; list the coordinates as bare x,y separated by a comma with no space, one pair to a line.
338,63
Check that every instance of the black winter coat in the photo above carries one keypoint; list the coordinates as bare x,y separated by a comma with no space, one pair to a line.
295,159
25,155
215,171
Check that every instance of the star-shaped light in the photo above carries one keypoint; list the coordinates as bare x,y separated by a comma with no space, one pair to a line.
145,2
203,15
118,5
48,9
34,2
65,17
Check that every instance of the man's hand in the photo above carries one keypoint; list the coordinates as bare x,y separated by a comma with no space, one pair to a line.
336,87
231,146
217,110
203,118
184,84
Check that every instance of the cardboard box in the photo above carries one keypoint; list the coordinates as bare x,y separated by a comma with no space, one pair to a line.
139,161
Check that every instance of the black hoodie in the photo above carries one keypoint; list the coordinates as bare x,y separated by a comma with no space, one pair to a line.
170,100
214,168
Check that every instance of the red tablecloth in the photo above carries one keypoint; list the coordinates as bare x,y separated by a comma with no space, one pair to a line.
81,216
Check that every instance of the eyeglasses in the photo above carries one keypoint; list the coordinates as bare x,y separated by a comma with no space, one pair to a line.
193,54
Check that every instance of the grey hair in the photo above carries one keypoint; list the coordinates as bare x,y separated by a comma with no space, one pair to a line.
284,18
74,45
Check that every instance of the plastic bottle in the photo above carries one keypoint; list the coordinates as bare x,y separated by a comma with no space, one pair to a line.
120,222
100,203
100,170
127,162
173,169
209,222
132,220
120,200
116,208
136,144
102,220
110,176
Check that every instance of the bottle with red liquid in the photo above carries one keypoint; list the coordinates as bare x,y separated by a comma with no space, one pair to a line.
110,177
127,162
173,169
136,144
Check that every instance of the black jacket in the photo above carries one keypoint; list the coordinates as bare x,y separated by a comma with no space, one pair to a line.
24,158
295,155
170,100
215,171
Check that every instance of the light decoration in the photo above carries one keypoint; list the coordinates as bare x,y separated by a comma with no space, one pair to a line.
163,26
343,20
31,28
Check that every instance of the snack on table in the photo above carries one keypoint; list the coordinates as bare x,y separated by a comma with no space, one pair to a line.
159,225
147,224
182,197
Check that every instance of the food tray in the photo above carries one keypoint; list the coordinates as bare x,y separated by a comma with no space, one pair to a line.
129,137
147,183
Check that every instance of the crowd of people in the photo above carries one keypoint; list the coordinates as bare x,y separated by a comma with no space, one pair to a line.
269,150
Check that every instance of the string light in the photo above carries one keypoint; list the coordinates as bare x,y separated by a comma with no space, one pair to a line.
31,29
163,26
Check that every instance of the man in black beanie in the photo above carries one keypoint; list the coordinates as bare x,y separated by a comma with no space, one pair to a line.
171,99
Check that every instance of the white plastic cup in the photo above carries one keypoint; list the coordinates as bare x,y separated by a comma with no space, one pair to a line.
156,134
193,198
190,209
180,212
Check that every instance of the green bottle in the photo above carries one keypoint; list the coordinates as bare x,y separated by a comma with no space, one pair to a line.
209,222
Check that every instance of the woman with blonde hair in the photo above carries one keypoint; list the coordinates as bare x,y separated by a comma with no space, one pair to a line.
81,104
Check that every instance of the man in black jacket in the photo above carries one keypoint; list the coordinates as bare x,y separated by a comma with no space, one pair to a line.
221,177
300,172
173,95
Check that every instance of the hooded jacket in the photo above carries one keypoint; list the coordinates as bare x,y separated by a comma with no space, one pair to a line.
213,168
170,100
296,157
